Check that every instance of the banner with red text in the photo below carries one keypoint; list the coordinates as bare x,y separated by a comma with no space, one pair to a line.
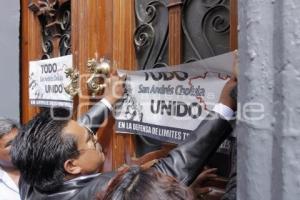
169,103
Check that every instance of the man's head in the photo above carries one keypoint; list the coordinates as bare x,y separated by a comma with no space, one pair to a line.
8,131
52,148
136,183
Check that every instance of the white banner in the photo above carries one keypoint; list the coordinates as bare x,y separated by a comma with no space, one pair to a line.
47,80
169,103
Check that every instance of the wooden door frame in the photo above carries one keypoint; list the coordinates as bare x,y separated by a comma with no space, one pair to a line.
30,50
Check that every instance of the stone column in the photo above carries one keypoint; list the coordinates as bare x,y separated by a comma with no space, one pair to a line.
269,142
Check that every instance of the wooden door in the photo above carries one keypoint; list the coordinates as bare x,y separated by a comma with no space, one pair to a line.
87,29
110,29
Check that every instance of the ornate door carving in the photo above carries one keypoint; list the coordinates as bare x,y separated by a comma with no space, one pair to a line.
55,23
205,26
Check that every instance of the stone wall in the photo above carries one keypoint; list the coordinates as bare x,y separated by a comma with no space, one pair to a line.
269,147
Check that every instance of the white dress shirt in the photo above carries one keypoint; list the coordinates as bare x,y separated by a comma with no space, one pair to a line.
8,189
224,110
107,104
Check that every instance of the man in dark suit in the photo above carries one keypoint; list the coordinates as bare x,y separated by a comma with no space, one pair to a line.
60,159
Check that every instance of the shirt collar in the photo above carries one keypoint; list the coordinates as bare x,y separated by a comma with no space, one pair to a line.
1,174
5,178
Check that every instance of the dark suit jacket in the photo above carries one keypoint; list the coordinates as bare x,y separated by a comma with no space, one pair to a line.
184,162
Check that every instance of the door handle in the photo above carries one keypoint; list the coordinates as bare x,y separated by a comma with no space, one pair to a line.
100,71
73,88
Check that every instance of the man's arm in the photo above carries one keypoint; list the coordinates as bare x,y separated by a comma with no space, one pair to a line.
94,117
187,160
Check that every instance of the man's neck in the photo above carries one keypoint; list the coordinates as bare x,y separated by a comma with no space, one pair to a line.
70,177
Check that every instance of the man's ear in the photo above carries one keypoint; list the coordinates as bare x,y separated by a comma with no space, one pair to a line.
71,167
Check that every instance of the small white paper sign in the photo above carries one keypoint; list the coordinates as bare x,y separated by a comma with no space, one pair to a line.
47,80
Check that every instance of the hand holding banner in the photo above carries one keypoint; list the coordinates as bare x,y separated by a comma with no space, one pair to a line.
169,103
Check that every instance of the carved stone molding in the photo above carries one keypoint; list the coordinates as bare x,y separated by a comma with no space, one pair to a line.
55,20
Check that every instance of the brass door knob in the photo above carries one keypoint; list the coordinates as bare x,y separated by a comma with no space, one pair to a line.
100,71
73,88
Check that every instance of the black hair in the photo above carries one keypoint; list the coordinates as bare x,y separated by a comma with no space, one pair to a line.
136,183
40,150
6,125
